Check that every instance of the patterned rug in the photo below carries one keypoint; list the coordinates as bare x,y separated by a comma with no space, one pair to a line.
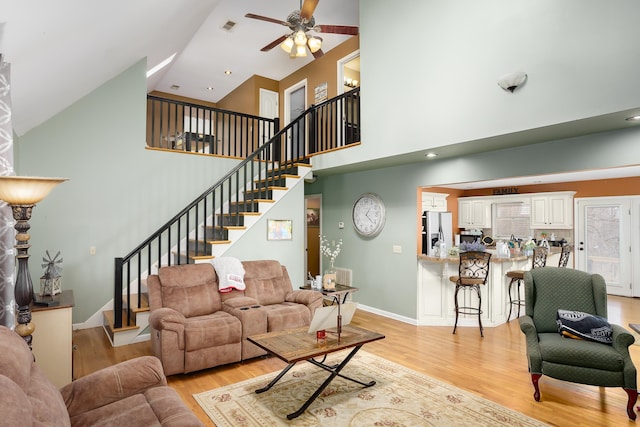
400,397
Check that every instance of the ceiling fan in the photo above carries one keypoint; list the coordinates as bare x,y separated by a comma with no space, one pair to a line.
300,22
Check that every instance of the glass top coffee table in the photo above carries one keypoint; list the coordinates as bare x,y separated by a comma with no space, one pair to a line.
297,345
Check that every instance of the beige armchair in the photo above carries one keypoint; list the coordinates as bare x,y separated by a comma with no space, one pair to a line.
131,393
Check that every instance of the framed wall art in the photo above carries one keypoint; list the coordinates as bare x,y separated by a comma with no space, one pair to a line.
279,229
313,217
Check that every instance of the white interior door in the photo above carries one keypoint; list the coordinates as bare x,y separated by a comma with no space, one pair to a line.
295,104
603,241
269,110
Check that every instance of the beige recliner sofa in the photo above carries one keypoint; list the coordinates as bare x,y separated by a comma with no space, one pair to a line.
194,326
130,393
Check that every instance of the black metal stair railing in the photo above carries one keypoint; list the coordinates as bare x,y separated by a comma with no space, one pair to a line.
191,233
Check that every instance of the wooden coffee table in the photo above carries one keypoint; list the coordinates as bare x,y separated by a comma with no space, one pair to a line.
297,345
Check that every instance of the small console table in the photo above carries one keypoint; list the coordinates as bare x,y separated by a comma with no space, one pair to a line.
52,344
340,291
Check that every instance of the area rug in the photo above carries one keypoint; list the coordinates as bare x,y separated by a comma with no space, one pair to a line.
400,397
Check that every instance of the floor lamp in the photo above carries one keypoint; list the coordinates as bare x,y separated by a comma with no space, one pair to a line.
22,193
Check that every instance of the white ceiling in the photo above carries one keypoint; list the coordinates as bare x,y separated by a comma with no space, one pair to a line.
61,50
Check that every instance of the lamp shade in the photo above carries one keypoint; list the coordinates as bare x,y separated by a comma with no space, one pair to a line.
287,44
26,190
314,44
300,38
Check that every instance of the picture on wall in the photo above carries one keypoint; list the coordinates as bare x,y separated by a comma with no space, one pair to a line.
313,217
279,229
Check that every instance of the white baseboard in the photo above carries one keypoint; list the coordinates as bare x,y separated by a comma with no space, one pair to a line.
390,315
94,321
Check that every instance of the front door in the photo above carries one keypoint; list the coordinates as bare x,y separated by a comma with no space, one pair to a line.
603,241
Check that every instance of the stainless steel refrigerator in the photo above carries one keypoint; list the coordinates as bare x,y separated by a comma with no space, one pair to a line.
436,226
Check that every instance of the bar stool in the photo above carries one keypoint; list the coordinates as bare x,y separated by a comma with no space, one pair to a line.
538,260
473,272
564,255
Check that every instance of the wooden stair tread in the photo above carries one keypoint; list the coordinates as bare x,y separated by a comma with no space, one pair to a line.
284,175
109,318
239,213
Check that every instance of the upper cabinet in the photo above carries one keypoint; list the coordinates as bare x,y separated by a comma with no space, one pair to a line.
434,202
474,212
552,210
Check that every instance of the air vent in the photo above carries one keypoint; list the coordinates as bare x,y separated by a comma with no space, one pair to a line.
228,25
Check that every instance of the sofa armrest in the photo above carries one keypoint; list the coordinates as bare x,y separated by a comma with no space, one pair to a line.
113,383
168,319
622,338
533,347
304,296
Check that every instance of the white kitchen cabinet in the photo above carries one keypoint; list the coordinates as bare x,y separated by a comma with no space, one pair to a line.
552,210
436,202
474,213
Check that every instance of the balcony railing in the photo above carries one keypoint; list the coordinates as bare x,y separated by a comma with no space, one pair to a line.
182,126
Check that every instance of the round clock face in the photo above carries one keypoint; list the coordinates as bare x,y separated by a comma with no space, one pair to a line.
368,214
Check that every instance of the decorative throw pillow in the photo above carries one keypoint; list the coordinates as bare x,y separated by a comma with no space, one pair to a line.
579,325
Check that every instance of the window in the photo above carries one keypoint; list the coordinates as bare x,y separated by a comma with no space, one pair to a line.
511,219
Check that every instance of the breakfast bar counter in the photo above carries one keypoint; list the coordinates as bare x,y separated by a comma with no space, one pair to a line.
435,291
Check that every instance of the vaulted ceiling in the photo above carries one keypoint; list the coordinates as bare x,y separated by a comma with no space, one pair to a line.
61,50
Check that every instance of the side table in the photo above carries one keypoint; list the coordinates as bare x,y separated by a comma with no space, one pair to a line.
52,344
340,292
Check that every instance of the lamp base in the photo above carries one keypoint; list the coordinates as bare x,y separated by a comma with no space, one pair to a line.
45,301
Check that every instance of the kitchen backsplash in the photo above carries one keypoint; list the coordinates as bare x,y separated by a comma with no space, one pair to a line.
559,234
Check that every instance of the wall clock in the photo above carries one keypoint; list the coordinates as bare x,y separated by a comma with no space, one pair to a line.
368,215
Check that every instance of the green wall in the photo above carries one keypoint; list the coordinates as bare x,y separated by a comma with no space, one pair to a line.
118,192
388,281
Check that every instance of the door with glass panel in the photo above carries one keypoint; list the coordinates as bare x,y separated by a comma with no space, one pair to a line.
603,241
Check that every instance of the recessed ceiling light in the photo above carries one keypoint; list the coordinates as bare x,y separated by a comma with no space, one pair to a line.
633,118
174,87
209,87
227,72
430,155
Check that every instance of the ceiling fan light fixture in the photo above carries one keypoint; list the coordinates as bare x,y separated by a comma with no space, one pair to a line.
287,44
314,44
301,51
300,38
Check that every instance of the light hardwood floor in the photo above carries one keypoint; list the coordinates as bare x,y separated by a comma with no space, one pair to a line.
494,367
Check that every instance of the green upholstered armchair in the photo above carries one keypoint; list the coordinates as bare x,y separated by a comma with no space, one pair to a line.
548,289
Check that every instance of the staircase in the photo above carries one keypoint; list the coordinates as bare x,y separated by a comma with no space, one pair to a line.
230,227
220,216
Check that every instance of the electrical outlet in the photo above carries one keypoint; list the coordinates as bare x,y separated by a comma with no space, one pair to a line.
92,250
397,249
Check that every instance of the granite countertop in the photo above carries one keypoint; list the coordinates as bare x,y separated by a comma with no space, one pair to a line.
494,257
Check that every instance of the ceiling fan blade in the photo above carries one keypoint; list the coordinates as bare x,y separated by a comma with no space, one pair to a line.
338,29
308,7
317,54
266,18
273,44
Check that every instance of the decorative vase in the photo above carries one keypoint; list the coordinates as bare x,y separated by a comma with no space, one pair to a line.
329,278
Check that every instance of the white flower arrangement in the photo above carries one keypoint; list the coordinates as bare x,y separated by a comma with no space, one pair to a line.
332,250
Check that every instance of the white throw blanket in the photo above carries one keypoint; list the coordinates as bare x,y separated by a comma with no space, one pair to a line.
230,274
